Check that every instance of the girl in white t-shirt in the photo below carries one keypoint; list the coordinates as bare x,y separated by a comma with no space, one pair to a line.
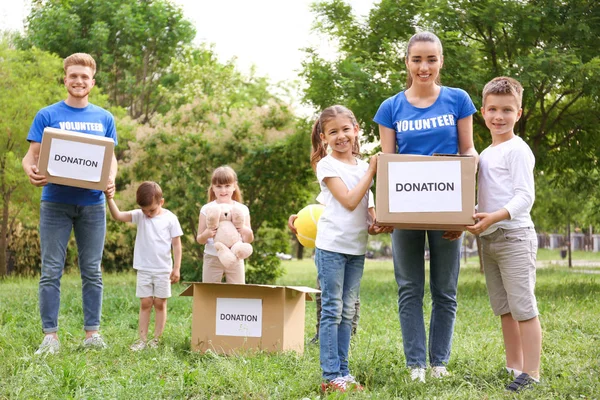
223,189
342,233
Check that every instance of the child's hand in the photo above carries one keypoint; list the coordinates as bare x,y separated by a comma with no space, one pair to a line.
484,221
291,226
375,229
175,275
210,233
452,235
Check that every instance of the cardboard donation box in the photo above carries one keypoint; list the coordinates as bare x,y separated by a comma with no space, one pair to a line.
76,159
228,317
425,192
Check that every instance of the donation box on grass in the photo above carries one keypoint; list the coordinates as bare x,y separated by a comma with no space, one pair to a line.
425,192
230,317
75,159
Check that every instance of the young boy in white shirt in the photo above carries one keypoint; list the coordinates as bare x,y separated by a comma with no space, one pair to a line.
505,197
158,231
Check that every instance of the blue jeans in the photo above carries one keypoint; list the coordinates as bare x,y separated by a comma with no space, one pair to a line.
56,222
409,268
339,276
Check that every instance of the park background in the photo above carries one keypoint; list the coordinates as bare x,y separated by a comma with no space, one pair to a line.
181,111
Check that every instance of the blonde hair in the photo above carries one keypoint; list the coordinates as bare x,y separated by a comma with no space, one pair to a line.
319,147
224,175
504,85
422,37
82,59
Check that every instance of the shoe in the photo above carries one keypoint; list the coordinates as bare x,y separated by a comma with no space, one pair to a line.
352,384
522,382
335,385
439,371
417,373
315,339
94,342
49,345
138,345
152,344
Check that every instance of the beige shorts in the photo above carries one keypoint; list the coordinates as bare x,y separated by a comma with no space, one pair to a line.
509,264
213,271
152,284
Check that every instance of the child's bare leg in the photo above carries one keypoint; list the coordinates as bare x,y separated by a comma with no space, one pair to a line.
512,342
531,335
145,309
160,316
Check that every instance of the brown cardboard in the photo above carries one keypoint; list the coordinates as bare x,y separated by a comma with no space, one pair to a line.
79,139
283,309
424,188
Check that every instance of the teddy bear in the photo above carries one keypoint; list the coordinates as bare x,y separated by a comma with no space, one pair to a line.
227,219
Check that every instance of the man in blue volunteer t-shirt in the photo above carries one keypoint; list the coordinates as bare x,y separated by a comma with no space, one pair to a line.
65,208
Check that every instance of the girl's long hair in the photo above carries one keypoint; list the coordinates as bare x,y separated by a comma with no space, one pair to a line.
319,147
224,175
422,37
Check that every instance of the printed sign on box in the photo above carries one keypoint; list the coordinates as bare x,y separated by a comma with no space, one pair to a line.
425,186
239,317
74,160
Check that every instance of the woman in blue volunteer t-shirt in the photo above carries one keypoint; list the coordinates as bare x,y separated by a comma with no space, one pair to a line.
424,119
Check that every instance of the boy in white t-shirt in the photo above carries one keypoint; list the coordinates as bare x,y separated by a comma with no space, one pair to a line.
158,231
509,242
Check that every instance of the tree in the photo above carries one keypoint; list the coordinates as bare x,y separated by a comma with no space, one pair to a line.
132,41
550,46
29,80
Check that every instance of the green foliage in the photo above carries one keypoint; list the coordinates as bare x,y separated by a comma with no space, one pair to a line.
549,46
264,144
533,41
28,82
132,41
569,317
118,245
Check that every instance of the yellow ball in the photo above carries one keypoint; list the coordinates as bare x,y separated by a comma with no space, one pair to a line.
306,224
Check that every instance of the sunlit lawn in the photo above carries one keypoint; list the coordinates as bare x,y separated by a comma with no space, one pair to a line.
570,315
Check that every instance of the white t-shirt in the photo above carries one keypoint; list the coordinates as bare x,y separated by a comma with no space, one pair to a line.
339,229
209,247
506,181
152,250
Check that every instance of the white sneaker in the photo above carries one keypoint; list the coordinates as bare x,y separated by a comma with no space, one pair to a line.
94,342
138,345
152,344
439,371
49,345
352,383
417,373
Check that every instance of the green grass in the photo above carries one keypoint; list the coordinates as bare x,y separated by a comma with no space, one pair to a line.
570,314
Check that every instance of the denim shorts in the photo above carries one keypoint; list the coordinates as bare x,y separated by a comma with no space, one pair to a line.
509,257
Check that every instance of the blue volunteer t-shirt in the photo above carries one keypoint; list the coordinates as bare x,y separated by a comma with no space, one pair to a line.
425,131
92,120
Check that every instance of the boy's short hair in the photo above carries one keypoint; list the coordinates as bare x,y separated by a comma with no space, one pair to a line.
504,85
148,193
82,59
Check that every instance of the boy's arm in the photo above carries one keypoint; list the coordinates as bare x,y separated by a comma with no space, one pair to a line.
116,214
350,199
175,274
485,220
